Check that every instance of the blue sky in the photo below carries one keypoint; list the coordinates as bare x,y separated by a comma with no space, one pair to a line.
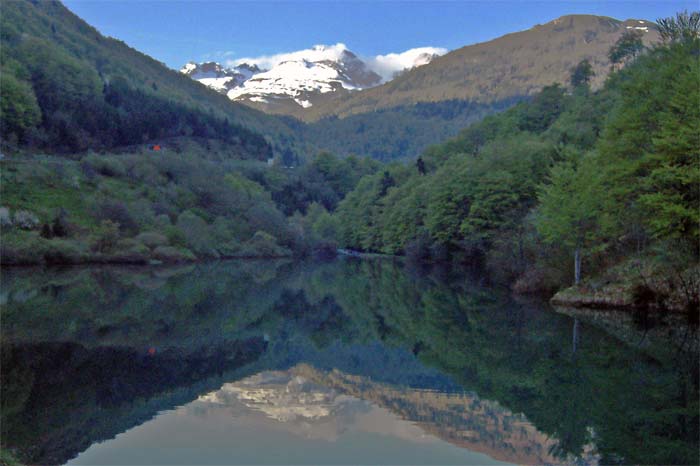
175,32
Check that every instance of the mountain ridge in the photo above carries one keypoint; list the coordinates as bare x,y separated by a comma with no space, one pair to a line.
298,80
516,64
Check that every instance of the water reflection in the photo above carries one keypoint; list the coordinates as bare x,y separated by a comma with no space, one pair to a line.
317,356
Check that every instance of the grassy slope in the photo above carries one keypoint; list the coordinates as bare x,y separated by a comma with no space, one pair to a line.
517,64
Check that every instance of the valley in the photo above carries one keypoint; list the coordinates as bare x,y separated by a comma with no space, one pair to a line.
345,254
232,181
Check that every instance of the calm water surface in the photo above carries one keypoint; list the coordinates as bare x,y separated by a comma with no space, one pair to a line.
343,362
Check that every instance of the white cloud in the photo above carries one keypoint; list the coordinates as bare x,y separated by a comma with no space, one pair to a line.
388,65
315,53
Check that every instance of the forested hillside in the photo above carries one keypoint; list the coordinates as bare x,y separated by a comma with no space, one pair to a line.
111,157
595,178
66,88
400,132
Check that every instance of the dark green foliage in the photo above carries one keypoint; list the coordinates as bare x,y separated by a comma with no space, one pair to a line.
67,89
684,27
398,132
581,74
324,179
627,47
19,110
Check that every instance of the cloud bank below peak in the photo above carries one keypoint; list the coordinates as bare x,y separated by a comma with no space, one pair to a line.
387,66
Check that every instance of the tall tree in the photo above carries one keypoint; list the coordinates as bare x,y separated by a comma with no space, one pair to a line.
569,213
685,26
627,47
581,74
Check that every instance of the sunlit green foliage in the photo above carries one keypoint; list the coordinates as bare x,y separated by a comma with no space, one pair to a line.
606,172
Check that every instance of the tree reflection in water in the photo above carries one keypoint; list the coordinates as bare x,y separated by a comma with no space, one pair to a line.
88,353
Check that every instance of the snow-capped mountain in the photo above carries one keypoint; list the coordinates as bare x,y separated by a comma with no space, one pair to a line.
217,77
289,82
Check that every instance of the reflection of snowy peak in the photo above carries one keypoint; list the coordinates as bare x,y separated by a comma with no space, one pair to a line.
281,396
299,78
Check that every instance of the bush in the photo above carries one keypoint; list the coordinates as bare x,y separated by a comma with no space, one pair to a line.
130,251
229,248
106,166
172,254
21,248
117,213
107,236
152,240
263,245
196,233
26,220
64,251
5,218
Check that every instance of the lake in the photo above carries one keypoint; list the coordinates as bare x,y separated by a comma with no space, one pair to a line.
350,361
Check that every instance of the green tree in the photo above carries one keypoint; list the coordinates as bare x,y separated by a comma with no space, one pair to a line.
627,47
581,74
684,27
19,109
569,210
672,186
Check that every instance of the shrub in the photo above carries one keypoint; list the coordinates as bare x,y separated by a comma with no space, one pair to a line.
116,212
172,254
26,220
263,244
130,251
152,240
5,218
21,248
196,233
107,236
64,251
230,248
106,166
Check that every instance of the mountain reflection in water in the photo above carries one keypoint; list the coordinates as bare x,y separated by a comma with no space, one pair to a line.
347,361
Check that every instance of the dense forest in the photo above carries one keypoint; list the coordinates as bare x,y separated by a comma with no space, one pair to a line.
398,132
572,182
66,89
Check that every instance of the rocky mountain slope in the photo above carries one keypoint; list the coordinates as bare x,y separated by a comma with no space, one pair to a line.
517,64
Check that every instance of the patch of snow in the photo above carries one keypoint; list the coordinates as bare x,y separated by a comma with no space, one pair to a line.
255,99
303,103
218,84
292,78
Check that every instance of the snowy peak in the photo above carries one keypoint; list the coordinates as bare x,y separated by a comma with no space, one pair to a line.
302,77
217,77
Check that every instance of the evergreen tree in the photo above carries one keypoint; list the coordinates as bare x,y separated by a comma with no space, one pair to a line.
581,74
